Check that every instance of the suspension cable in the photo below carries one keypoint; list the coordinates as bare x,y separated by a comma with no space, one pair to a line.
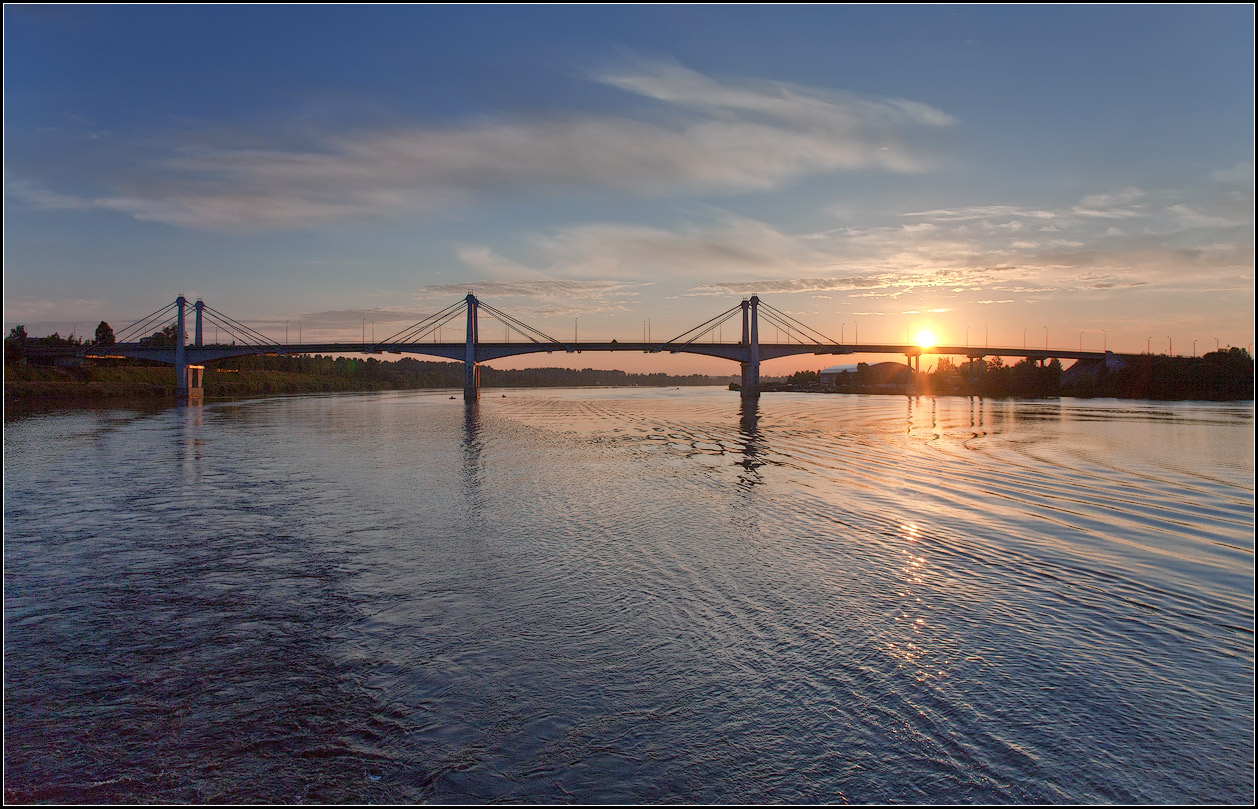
710,325
249,332
780,318
417,331
520,326
133,331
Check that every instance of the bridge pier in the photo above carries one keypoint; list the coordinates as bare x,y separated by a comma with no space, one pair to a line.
471,371
750,386
914,362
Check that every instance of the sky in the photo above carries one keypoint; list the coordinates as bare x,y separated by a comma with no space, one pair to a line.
1001,175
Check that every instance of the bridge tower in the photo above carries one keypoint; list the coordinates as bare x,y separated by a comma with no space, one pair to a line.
751,341
187,377
471,371
181,359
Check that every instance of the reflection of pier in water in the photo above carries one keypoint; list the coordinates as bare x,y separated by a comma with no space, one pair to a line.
753,442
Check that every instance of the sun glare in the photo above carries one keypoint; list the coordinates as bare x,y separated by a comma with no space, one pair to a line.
925,338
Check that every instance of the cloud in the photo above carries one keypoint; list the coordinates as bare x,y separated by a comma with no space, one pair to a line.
541,288
955,253
32,310
782,286
1119,205
340,318
545,297
861,119
713,137
1239,173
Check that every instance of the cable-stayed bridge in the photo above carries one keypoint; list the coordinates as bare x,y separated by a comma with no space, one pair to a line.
162,336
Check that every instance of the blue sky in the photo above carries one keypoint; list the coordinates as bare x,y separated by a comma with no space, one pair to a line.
986,172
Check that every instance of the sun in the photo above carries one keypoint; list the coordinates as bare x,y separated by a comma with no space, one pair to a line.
925,338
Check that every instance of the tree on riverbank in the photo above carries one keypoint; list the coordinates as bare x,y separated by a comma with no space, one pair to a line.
1224,375
104,334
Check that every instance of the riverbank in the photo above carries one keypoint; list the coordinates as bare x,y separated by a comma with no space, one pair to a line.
39,386
29,384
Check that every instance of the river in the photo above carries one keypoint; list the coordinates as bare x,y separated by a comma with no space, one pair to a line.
631,595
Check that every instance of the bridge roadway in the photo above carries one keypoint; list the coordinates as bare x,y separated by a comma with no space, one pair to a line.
486,351
749,357
748,352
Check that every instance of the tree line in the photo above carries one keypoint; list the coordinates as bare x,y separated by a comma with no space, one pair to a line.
1224,375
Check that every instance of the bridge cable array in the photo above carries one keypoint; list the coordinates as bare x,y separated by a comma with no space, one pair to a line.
417,332
145,326
705,328
802,332
520,326
234,328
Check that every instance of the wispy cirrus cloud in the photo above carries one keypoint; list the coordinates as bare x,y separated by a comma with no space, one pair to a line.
540,288
710,136
999,252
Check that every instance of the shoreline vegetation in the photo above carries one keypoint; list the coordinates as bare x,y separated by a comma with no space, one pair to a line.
100,381
1226,375
1219,376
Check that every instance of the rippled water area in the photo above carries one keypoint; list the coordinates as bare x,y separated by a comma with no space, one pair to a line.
631,595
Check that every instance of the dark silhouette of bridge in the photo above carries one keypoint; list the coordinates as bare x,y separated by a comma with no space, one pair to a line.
423,338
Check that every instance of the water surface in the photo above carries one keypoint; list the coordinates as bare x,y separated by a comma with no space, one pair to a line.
631,595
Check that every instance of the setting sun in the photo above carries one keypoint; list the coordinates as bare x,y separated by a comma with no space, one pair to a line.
925,338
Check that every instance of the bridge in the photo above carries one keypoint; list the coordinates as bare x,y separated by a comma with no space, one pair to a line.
423,338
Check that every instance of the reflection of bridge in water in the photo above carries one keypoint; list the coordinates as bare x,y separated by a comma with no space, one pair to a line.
423,338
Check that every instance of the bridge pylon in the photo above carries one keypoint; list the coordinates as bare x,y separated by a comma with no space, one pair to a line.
181,357
188,385
471,371
750,387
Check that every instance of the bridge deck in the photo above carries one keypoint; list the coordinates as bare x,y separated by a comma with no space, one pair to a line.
486,351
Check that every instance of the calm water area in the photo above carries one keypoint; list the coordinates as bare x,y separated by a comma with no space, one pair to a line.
631,595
